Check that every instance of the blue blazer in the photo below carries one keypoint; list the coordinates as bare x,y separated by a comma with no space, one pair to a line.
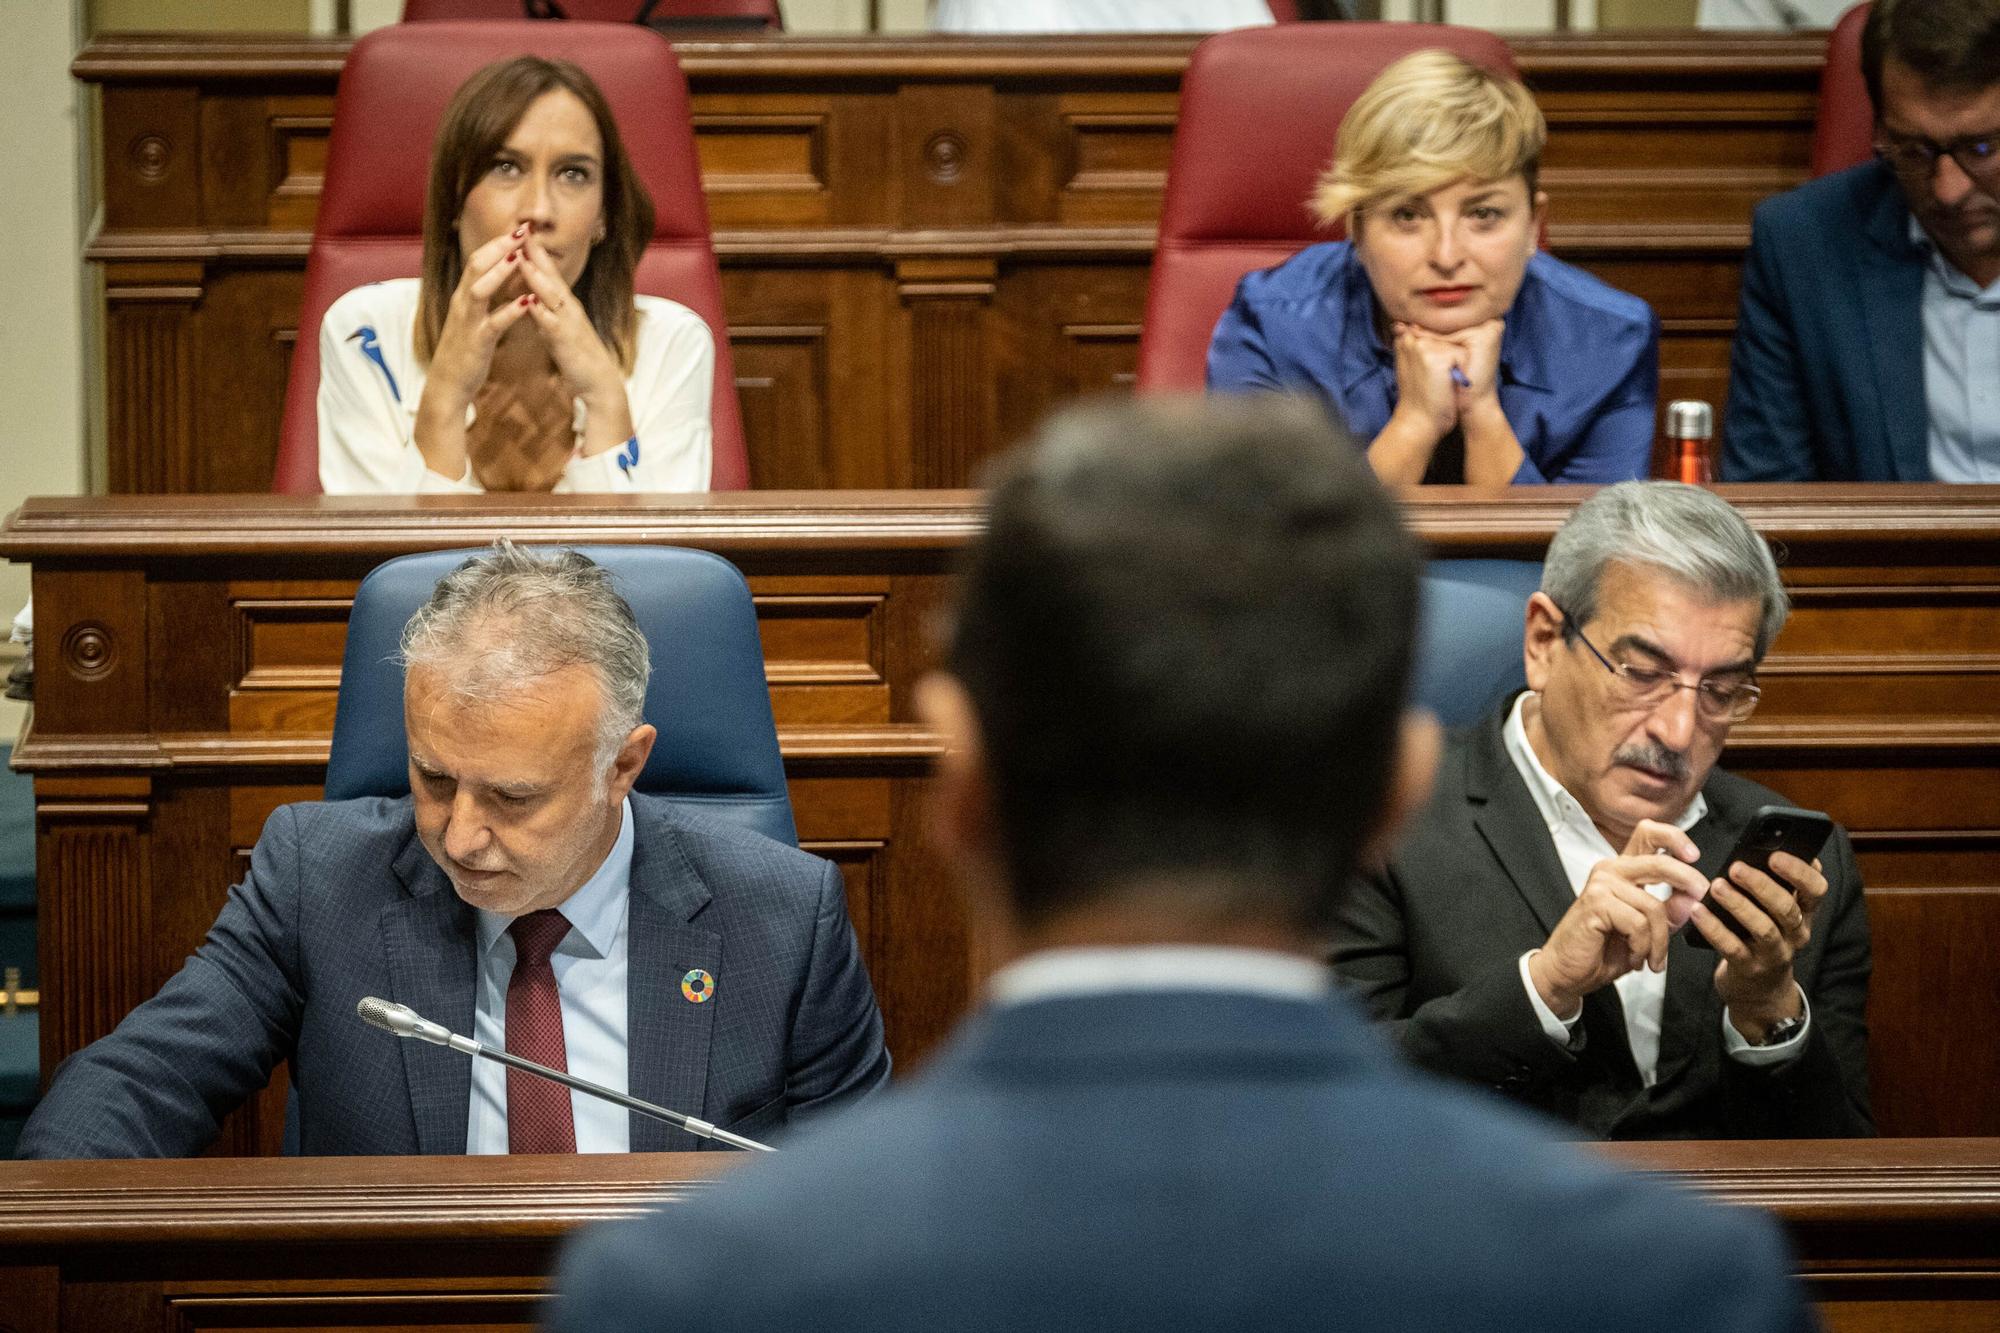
342,901
1826,378
1579,361
1181,1161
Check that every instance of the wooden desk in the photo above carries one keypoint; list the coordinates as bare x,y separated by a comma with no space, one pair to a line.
188,650
1891,1234
924,243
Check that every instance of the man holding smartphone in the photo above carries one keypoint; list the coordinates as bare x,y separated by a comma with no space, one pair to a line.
1543,928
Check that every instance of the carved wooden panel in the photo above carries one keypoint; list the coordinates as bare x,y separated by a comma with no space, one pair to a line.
149,420
819,374
95,941
947,302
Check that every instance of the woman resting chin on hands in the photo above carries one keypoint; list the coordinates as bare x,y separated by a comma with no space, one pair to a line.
1439,334
521,360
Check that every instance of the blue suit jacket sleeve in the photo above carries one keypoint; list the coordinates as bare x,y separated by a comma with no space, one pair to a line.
1238,357
1617,445
160,1084
1766,428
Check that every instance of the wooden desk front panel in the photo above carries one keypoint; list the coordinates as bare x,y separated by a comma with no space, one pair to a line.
1891,1235
924,244
181,699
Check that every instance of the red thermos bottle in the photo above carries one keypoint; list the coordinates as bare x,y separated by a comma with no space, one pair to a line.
1690,424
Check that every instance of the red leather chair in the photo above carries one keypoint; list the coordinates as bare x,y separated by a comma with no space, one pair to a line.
1844,133
600,11
392,94
1259,108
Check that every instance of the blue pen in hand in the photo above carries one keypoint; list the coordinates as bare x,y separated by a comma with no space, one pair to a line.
1458,378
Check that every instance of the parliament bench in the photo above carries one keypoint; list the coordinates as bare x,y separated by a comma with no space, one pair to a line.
188,650
1889,1234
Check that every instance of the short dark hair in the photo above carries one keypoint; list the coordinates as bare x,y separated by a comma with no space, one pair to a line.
1950,44
1186,633
483,112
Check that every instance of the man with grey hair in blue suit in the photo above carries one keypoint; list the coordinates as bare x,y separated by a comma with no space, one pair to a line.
522,893
1174,719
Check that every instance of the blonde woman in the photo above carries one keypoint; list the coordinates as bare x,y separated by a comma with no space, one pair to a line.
1440,334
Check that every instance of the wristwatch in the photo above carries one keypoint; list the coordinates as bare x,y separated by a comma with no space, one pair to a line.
1782,1030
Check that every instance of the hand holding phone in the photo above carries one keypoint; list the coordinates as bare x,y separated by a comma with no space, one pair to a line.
1774,828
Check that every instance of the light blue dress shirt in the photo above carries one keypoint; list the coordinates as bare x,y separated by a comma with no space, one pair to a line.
1961,368
590,968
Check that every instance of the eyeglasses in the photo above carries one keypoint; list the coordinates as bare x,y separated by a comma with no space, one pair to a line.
1649,687
1913,156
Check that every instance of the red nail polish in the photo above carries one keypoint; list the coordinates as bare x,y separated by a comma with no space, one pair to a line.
527,300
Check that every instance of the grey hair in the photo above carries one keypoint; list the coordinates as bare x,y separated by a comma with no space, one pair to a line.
512,615
1690,534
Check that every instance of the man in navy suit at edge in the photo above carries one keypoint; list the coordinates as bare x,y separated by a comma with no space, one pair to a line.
523,894
1174,719
1870,318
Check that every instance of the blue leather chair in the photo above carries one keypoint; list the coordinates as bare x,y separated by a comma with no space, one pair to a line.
718,745
1469,636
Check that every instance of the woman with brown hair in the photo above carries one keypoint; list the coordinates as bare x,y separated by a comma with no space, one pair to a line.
522,359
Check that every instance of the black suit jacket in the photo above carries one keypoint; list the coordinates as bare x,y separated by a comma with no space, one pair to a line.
1432,944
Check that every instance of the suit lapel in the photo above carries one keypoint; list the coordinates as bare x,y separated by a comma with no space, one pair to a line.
668,1036
1506,817
429,946
1890,271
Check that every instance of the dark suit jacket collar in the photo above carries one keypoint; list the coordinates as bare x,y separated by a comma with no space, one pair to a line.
668,1035
1889,286
1505,814
430,949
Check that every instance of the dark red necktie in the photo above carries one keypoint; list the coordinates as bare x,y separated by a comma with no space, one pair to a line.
538,1110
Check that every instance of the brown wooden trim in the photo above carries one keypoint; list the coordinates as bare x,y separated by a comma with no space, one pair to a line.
1930,1184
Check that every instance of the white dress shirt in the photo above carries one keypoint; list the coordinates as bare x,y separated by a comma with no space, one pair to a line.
1580,845
1054,973
590,968
371,383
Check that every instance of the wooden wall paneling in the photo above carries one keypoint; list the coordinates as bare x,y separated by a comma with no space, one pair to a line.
150,322
247,331
816,343
951,402
95,935
778,160
1067,327
152,164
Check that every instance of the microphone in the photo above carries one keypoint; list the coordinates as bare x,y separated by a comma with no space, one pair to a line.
403,1021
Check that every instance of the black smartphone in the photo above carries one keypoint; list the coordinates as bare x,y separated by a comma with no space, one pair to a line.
1774,828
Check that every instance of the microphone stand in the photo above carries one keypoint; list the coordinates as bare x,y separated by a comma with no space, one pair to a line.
403,1021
